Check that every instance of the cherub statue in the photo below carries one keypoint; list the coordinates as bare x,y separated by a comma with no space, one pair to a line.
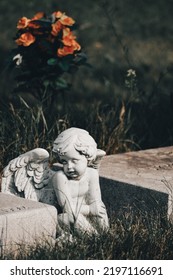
75,186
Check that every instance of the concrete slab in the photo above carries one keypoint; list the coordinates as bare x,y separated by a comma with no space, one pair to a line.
25,222
144,176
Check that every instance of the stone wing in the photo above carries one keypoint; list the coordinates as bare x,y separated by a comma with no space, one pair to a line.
96,162
27,175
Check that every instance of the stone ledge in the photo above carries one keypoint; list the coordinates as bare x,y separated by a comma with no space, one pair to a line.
144,176
25,222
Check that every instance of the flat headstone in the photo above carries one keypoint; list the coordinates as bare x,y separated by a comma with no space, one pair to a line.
141,178
25,222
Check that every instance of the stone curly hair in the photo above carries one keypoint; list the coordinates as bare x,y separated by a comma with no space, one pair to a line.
81,141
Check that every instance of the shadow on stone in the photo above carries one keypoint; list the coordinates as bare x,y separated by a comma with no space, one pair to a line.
120,197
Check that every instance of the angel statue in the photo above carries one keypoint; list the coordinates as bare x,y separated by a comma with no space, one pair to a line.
74,186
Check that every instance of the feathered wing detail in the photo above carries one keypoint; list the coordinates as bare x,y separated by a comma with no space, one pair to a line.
27,175
96,162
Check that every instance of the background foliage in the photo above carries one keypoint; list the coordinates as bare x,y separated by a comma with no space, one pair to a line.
116,36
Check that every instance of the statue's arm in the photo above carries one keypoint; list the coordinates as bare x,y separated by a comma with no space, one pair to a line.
60,185
97,207
94,193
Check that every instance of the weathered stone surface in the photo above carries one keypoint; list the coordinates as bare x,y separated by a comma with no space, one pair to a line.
141,178
25,222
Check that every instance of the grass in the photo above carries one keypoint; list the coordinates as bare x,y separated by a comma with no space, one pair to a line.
131,237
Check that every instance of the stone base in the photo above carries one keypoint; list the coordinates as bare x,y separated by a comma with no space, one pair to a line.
24,222
142,180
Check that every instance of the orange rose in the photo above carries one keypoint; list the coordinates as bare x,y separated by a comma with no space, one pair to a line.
68,37
26,39
33,25
23,22
76,46
68,49
68,32
56,28
65,20
38,16
65,51
57,14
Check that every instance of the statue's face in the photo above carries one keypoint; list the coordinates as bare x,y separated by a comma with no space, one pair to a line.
74,164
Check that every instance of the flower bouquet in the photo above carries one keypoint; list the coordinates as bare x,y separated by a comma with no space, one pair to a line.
46,50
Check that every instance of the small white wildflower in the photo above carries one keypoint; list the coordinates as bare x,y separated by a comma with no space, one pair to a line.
18,59
131,73
130,80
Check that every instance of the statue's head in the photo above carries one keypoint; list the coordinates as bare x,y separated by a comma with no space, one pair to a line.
78,139
76,149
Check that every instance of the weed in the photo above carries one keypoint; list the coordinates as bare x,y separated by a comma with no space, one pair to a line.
130,237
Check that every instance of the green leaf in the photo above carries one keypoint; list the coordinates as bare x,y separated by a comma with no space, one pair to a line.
64,65
46,46
52,61
46,83
80,58
43,22
61,84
